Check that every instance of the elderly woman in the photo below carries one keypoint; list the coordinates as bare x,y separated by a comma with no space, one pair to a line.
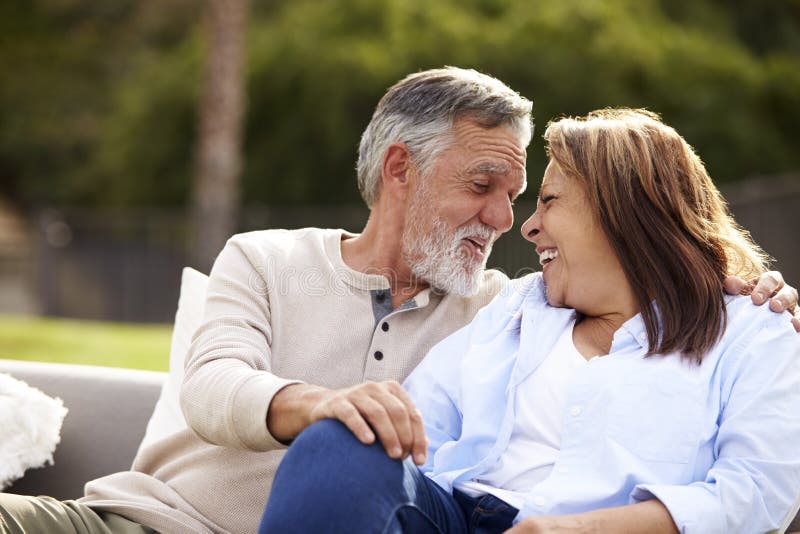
619,390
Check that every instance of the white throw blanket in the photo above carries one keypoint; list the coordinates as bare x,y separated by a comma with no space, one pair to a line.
30,428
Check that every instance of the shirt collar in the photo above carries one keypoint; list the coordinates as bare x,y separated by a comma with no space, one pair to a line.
634,331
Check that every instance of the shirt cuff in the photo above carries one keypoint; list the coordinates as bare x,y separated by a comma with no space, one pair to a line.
693,508
250,406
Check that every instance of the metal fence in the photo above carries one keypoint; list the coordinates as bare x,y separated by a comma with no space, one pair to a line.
125,266
770,209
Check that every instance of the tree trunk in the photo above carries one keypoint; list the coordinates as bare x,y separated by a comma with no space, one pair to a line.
215,193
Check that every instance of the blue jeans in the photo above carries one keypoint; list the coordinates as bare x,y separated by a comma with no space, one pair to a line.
330,482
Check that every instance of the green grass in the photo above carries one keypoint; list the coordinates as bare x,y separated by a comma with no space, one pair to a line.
134,346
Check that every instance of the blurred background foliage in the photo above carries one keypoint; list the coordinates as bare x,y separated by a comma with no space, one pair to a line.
98,99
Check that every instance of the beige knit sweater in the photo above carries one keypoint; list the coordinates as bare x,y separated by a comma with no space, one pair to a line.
282,307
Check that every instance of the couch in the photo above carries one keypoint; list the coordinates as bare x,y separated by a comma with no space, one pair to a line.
112,412
109,410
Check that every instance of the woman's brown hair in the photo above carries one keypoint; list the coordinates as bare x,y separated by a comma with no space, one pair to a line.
668,223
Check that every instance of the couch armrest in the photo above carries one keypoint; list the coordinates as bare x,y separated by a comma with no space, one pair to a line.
108,412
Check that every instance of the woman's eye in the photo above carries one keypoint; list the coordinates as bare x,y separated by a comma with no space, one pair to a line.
547,198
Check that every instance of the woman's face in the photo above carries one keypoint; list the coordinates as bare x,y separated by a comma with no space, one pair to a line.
580,268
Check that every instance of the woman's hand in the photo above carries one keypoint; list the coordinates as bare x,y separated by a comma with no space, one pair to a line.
648,517
769,286
553,524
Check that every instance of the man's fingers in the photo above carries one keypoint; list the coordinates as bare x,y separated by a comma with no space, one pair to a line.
378,417
735,286
343,410
419,449
380,411
785,299
400,419
419,446
769,286
766,286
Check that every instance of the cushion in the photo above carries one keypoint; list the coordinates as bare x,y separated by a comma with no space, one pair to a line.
108,412
167,417
30,428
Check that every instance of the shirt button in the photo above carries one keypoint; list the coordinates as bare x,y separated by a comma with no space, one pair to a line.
539,501
380,297
575,411
378,355
385,327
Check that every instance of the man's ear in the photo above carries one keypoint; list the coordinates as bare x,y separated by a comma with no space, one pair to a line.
397,170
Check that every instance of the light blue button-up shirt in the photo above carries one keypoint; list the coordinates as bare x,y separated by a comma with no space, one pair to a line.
717,443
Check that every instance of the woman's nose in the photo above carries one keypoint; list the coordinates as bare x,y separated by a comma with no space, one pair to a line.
530,228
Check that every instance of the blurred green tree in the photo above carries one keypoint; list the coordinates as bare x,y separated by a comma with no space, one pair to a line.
83,83
99,104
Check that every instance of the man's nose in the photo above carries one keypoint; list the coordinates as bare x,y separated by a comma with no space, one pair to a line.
499,214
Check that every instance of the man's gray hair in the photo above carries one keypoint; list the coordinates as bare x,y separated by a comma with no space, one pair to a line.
420,111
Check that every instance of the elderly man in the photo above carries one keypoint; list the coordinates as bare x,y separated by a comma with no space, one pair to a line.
311,324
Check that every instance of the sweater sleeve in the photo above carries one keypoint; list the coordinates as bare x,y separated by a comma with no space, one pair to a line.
228,385
753,483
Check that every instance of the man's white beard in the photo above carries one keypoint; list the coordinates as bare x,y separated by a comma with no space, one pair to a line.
438,255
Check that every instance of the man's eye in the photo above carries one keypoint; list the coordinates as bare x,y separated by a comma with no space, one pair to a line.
480,186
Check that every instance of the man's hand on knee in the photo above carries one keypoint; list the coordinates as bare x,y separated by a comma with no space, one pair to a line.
382,408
